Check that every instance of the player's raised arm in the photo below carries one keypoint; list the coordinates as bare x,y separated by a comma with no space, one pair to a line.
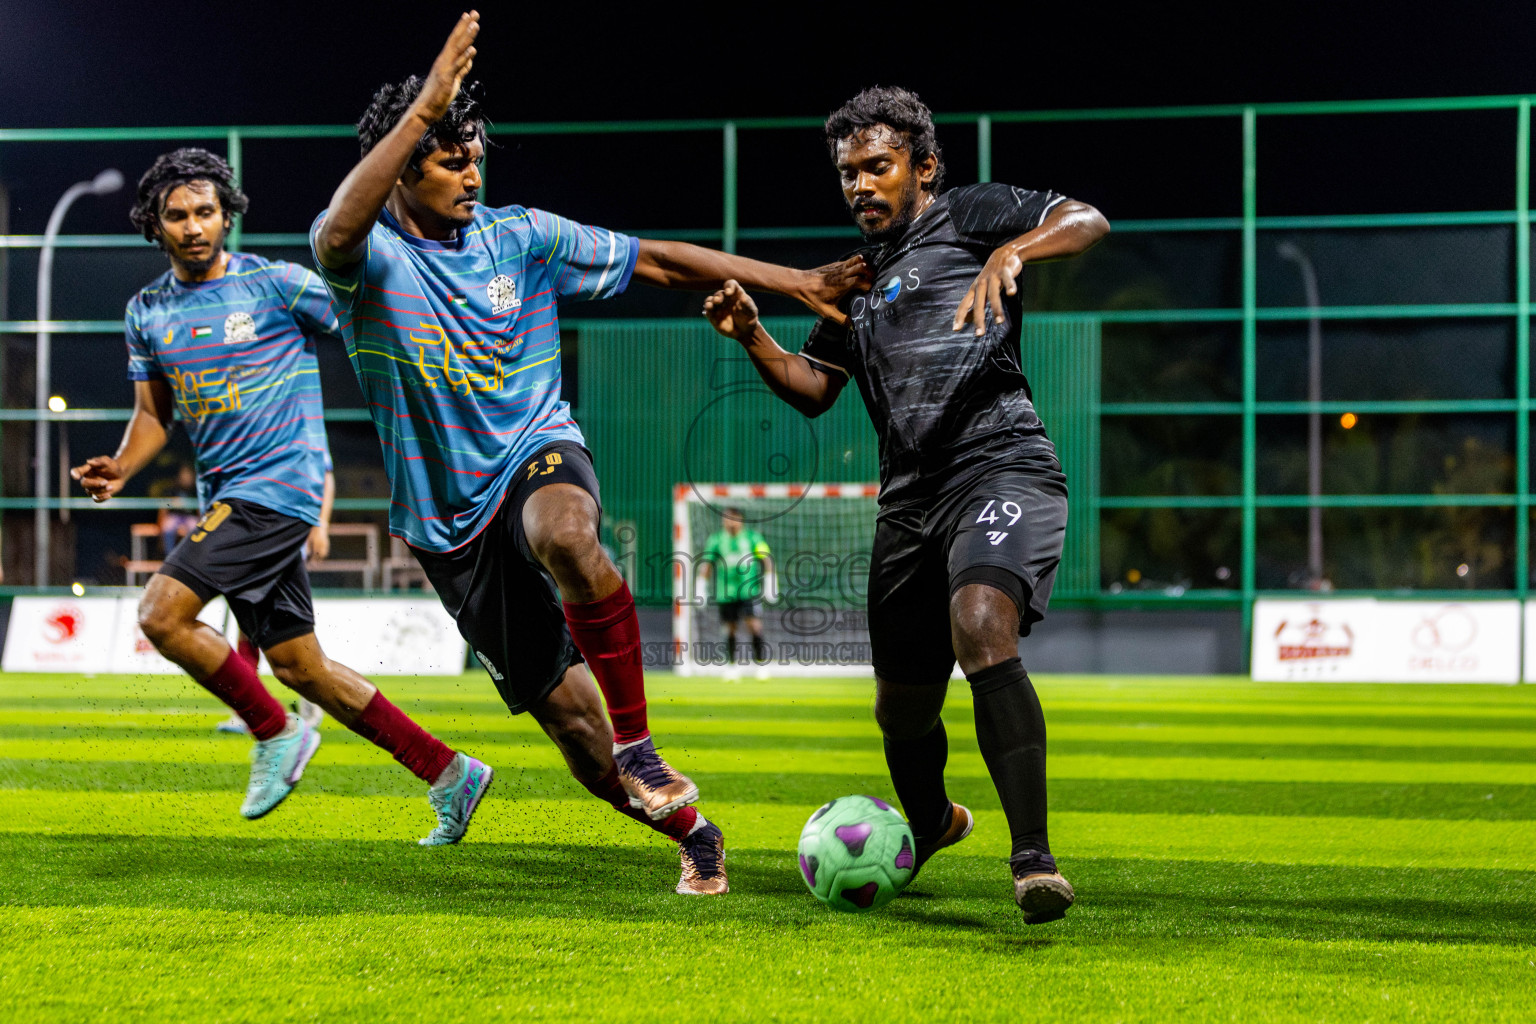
1068,229
681,265
147,431
362,193
808,386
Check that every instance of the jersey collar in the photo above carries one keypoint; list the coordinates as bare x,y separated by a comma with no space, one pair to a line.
454,244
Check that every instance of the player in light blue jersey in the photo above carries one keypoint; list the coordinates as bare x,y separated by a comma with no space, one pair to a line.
449,310
224,342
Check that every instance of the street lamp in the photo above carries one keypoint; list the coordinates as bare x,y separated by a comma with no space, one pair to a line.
106,182
1289,251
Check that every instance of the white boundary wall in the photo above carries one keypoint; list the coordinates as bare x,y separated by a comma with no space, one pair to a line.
375,636
1392,641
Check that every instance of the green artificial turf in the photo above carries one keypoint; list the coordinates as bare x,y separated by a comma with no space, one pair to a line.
1241,852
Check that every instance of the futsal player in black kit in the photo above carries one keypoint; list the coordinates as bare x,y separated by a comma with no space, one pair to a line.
973,504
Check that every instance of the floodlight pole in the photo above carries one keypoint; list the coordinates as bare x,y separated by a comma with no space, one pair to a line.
1289,251
106,182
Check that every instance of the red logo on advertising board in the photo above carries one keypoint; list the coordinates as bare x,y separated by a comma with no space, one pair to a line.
62,626
1314,639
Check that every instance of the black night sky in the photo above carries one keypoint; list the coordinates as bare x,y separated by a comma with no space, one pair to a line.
77,64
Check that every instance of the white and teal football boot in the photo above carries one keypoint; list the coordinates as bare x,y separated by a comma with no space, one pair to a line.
455,803
277,765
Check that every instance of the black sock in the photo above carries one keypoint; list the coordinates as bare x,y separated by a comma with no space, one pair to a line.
1010,729
917,772
759,647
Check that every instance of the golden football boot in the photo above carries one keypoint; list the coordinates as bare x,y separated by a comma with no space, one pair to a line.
654,786
960,825
703,853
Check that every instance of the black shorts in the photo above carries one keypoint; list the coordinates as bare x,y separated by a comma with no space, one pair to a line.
503,600
1004,528
734,611
255,558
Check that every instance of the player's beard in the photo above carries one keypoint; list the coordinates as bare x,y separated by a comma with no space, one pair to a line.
199,267
463,214
898,224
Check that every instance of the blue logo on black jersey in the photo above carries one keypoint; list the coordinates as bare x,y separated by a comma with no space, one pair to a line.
892,289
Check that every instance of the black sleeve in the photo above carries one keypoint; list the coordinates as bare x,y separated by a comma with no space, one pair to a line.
828,345
993,213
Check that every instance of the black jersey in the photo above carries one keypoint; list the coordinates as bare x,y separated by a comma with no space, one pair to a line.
944,403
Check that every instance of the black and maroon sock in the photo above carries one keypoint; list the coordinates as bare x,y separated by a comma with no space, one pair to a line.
236,684
607,633
392,730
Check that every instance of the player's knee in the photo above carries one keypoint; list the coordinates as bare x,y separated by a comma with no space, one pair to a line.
569,542
984,627
160,623
295,672
579,733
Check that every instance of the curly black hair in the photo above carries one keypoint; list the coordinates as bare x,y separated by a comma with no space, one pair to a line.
181,167
463,124
898,109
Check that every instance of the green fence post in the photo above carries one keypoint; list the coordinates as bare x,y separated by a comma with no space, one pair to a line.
1523,347
1250,369
236,163
983,148
728,232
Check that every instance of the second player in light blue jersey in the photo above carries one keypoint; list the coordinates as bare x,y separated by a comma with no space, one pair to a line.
449,310
224,342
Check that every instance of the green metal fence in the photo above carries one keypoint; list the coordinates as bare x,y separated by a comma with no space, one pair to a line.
1057,339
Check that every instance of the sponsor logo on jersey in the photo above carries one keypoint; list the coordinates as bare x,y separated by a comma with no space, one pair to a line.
201,332
884,295
239,327
502,291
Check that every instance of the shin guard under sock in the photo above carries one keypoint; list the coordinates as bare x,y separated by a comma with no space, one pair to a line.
236,684
674,826
607,633
392,730
1010,729
917,773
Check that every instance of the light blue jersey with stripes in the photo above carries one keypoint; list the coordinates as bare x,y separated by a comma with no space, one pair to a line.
456,346
238,354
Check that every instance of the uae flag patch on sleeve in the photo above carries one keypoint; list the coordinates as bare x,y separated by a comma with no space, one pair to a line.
201,332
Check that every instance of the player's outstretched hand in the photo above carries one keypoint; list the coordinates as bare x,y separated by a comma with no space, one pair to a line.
101,477
448,70
830,283
998,278
732,312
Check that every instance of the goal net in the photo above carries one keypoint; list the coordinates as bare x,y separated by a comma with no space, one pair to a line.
819,538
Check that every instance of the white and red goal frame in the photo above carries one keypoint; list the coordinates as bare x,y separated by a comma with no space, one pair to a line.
685,605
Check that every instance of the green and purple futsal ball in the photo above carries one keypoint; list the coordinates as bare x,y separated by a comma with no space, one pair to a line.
856,853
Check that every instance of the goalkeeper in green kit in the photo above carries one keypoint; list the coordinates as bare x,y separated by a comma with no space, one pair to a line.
742,566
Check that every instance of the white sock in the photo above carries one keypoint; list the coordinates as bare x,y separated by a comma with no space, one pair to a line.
620,747
698,824
290,728
450,776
